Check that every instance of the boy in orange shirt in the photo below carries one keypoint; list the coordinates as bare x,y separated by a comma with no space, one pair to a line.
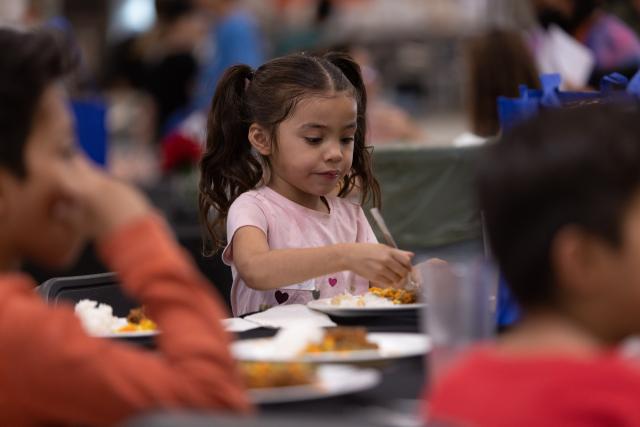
51,201
561,200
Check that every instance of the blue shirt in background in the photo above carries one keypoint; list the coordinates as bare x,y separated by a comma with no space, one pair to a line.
234,39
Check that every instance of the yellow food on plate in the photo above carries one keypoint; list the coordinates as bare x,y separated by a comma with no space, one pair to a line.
342,339
138,321
277,374
397,296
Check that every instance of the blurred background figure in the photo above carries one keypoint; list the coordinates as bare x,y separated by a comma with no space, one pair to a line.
151,79
234,37
627,10
304,32
161,62
613,44
497,63
387,122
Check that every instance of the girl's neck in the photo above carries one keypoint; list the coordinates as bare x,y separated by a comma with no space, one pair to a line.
309,201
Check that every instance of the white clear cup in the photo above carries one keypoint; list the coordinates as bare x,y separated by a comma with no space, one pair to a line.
460,308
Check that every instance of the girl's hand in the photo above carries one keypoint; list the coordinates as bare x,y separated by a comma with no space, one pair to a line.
377,262
409,282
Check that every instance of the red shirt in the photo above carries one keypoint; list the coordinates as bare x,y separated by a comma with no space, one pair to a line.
492,389
52,373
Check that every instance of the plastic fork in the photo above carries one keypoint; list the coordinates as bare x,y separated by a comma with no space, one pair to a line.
410,283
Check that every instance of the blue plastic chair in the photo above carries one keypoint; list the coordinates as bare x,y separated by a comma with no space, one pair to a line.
91,130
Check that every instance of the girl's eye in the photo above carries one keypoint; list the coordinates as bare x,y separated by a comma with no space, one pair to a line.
348,140
312,140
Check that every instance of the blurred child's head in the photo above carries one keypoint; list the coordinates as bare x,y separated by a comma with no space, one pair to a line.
561,200
498,63
297,121
36,151
567,14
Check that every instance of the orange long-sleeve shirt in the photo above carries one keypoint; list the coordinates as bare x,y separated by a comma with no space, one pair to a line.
52,373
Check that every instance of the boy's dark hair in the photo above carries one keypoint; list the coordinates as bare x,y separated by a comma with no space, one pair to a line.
268,96
572,167
31,61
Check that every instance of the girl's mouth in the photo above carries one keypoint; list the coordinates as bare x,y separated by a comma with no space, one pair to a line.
330,174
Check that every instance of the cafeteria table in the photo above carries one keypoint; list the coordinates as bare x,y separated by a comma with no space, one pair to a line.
392,403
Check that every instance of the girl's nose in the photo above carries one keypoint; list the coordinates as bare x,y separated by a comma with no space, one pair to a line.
334,152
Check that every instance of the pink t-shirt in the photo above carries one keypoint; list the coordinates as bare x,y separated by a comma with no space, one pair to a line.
290,225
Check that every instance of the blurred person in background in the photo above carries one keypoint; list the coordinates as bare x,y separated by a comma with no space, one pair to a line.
173,65
150,80
614,45
162,61
234,38
303,33
387,122
498,62
627,10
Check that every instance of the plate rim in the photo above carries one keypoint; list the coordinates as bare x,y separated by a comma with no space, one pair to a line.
129,334
368,378
355,356
320,306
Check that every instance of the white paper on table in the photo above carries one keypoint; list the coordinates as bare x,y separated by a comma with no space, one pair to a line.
284,316
237,324
468,139
558,52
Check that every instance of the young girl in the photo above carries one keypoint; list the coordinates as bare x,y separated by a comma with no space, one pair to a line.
280,141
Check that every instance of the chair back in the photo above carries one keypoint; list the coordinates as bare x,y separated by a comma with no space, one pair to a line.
104,288
91,129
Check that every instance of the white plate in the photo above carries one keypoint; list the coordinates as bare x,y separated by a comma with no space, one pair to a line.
333,380
390,346
132,334
324,305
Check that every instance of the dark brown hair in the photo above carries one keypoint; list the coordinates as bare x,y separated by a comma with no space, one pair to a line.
267,97
31,61
566,167
498,62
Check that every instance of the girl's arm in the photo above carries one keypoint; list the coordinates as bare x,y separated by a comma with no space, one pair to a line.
262,268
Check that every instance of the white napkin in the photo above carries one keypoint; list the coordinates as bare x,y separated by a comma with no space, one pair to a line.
284,316
561,53
290,341
236,324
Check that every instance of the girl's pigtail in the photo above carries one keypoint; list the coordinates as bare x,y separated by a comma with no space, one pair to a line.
361,176
228,167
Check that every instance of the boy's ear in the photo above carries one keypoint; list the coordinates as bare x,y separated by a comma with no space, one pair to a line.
580,261
259,139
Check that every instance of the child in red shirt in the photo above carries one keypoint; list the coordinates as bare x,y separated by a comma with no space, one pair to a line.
561,199
51,201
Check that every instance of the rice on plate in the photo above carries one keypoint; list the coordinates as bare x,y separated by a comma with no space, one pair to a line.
97,318
366,300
